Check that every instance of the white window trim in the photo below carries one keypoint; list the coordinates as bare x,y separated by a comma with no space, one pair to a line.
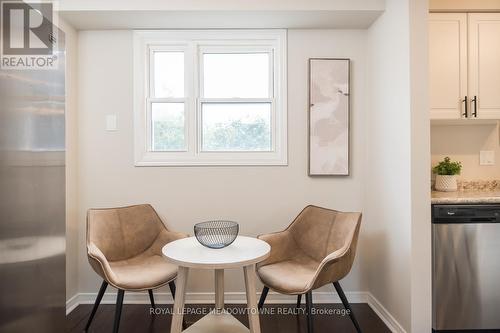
272,40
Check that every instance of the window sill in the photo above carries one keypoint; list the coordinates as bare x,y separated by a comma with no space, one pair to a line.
208,159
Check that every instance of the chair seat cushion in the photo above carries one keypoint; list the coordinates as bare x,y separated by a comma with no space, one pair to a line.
145,271
292,276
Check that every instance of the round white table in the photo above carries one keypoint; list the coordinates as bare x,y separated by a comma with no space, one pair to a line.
243,252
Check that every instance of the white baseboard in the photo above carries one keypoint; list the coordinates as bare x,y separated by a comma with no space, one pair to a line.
240,298
384,314
73,302
206,298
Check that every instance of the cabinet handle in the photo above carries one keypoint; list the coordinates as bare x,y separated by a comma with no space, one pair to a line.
474,101
466,113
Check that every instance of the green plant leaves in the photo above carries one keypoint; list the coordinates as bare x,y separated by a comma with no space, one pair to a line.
447,167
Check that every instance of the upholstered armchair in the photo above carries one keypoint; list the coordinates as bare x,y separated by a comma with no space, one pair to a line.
124,248
316,249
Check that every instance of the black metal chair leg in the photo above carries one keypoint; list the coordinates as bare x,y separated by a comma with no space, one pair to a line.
171,285
104,285
118,310
151,298
299,298
263,296
347,306
309,305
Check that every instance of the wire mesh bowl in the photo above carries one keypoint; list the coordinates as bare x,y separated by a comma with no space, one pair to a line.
216,234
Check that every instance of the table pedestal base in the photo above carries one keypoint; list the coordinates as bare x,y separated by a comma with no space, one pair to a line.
217,322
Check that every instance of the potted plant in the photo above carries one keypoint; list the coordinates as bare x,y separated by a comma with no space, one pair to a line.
446,175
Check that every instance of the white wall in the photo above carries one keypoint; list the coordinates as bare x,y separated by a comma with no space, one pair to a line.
262,199
397,266
387,206
421,261
71,38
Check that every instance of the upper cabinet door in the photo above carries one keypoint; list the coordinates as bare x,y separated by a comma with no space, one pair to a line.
447,65
484,64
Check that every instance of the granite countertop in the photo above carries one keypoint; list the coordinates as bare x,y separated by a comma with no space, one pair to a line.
466,197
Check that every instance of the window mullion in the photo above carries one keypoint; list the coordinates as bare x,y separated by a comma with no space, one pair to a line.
151,72
236,100
272,79
149,126
166,100
192,75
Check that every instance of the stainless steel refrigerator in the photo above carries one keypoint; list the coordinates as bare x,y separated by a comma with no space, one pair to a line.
32,199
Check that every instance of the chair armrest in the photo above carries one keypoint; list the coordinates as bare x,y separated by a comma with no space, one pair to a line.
332,268
281,246
99,263
334,257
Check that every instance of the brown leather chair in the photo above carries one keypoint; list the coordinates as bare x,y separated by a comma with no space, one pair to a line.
316,249
124,247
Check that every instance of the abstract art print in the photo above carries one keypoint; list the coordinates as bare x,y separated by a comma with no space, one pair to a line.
328,117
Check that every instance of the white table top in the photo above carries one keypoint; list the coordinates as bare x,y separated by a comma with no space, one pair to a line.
188,252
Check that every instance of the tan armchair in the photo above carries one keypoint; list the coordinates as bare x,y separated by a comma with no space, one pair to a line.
124,247
316,249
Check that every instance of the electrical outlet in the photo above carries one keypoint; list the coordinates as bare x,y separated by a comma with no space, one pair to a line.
111,122
486,157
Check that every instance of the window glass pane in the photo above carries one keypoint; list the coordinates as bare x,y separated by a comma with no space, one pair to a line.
236,127
236,75
168,126
168,74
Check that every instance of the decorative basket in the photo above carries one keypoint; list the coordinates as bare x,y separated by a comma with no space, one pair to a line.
445,183
216,234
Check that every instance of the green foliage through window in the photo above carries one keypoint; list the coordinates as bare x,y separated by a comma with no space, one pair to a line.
237,136
169,135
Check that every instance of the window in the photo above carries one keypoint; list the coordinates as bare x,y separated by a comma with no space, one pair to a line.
210,97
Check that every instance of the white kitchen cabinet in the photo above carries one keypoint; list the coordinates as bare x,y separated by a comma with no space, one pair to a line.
447,65
484,65
464,65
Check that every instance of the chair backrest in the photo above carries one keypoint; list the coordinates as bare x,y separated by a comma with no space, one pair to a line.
124,232
320,231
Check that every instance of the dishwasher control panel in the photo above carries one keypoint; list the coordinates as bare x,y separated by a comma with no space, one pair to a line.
466,214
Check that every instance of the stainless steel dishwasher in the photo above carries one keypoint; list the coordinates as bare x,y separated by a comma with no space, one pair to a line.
466,267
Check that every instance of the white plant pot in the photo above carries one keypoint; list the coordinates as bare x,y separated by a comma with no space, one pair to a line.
446,183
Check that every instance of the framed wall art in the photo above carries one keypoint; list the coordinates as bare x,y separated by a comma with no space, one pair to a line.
328,116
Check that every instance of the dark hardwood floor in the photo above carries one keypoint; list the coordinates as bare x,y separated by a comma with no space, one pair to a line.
278,319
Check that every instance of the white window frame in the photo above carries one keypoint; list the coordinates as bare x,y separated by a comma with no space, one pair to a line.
194,43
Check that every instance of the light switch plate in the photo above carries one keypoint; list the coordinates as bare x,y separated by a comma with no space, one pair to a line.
486,157
111,122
